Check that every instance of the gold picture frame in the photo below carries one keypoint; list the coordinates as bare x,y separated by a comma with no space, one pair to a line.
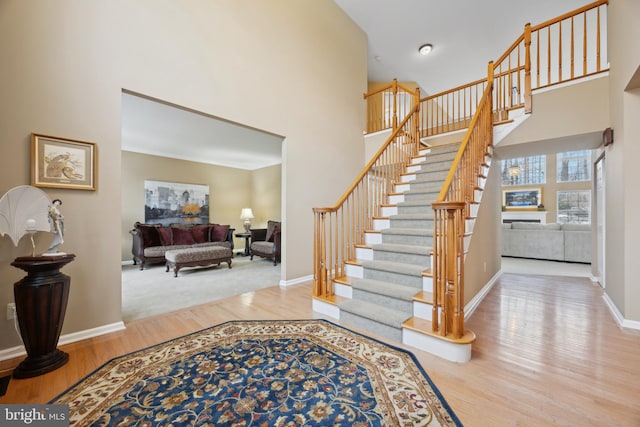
63,163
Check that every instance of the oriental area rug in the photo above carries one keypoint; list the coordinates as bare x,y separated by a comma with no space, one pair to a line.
261,373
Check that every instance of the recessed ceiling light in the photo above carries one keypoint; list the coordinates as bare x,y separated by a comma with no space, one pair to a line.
425,49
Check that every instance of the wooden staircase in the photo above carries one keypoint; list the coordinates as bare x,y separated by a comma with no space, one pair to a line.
387,289
389,255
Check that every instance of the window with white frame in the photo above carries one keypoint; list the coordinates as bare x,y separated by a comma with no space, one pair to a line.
524,170
574,166
574,207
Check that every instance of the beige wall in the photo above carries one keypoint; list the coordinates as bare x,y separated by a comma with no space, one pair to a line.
564,112
230,190
65,66
266,195
622,158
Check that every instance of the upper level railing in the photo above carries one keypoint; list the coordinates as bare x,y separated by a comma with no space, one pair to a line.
388,105
559,50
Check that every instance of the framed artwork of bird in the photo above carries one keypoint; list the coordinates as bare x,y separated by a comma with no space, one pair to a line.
63,163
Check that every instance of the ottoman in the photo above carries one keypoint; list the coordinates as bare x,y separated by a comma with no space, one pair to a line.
197,257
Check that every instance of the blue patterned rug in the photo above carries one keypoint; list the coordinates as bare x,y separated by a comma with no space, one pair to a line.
261,373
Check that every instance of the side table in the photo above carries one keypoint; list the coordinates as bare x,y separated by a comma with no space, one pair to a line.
246,237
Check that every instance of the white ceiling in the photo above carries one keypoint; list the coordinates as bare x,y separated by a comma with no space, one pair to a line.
153,127
466,34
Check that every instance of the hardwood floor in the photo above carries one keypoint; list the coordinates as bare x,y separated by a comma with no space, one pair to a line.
548,353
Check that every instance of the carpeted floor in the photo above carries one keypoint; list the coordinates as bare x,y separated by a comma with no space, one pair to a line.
261,373
154,291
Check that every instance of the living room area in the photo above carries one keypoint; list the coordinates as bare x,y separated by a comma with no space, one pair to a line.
184,168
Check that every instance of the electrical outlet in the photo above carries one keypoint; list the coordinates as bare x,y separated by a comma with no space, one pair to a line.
11,311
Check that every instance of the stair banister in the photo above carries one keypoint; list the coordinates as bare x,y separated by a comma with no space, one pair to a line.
451,209
339,228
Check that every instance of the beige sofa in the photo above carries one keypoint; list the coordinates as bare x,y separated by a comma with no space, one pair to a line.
556,242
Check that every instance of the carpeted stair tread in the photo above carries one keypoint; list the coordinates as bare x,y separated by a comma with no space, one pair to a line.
375,312
408,231
395,267
392,290
424,215
400,248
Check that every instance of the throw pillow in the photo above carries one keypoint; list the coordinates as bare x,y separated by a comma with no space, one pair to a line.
273,235
149,234
182,236
271,225
165,236
219,233
200,233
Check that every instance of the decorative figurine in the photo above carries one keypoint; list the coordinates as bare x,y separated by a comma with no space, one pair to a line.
57,228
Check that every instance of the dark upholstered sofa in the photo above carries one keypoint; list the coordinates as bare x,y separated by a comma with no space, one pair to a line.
265,242
151,241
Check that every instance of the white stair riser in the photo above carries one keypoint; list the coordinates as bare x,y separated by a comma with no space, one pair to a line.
325,308
364,254
422,310
342,290
381,224
467,242
468,225
389,210
394,199
372,238
460,353
427,283
401,188
411,177
354,271
473,209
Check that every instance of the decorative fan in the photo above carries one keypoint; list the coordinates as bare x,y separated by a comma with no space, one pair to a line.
24,210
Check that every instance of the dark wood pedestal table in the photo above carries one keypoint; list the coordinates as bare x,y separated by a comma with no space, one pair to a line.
41,301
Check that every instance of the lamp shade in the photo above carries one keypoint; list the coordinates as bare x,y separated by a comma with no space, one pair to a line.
246,213
24,209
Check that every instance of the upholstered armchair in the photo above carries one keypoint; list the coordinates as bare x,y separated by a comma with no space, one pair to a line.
265,242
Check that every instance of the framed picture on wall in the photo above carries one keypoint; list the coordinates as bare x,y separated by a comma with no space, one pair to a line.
63,163
528,198
175,202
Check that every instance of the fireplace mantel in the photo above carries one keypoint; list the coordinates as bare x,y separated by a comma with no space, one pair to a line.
525,216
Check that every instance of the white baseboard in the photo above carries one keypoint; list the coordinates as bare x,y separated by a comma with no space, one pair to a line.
285,283
477,299
18,351
619,318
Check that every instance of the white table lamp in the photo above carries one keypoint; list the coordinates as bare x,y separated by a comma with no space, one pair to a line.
247,216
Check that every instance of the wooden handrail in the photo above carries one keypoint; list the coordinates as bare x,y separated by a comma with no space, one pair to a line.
450,211
339,228
570,14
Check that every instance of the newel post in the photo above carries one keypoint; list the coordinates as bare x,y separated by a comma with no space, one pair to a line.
449,265
319,255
